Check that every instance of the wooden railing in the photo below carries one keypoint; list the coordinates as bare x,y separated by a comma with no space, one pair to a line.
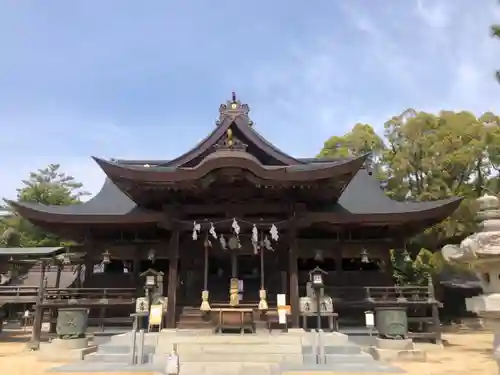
14,293
89,293
379,294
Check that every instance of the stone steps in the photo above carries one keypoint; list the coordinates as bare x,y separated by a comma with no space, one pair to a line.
224,368
238,358
203,353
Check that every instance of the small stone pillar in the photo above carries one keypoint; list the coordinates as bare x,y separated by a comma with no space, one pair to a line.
482,251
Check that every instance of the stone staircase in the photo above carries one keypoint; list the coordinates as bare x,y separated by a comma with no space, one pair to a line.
203,353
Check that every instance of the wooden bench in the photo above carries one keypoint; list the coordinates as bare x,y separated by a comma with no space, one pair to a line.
233,318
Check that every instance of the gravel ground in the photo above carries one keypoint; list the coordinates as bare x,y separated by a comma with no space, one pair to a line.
463,354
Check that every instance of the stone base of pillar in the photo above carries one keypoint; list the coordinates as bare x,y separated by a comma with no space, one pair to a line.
396,350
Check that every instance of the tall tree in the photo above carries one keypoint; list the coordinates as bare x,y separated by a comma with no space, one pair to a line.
495,30
491,124
361,140
434,157
48,186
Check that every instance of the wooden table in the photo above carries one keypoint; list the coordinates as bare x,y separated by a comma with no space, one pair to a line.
233,318
272,316
333,323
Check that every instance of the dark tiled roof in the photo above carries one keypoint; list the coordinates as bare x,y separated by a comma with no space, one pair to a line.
108,201
363,195
30,251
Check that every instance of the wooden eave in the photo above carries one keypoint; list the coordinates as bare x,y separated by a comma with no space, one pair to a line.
285,174
430,216
33,213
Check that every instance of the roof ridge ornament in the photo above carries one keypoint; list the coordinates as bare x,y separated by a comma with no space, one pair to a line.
230,142
233,109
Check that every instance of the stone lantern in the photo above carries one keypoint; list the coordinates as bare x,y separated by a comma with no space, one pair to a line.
481,251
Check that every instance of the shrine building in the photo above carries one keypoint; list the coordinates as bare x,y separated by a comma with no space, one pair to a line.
235,207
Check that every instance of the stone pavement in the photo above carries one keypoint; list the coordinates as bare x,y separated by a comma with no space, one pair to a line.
203,353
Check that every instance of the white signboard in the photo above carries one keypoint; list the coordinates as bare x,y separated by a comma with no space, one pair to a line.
281,299
141,305
282,316
369,319
46,327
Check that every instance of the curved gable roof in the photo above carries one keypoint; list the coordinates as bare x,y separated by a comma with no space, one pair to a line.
233,115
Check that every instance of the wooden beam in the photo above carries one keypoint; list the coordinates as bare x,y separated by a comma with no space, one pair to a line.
242,209
172,278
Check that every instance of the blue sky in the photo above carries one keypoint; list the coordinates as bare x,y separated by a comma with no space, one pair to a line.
135,79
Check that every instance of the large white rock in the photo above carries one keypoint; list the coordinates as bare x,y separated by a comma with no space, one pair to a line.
482,252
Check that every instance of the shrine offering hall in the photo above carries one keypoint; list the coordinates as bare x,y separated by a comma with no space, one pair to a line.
235,222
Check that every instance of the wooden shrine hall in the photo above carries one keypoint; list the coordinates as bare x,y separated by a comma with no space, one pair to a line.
235,207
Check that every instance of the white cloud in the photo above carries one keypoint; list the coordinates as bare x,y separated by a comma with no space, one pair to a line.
430,55
364,65
435,14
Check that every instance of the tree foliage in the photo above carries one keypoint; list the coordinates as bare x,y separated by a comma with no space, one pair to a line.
495,31
425,156
48,186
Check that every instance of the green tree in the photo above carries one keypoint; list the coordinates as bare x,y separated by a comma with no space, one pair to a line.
495,31
48,186
361,140
434,157
491,123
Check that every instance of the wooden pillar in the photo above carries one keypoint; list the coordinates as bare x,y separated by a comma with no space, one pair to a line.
89,267
78,275
37,323
293,274
389,270
172,277
436,323
234,264
337,253
284,282
136,266
53,310
58,275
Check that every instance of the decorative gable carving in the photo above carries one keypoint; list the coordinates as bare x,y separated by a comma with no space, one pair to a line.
230,142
